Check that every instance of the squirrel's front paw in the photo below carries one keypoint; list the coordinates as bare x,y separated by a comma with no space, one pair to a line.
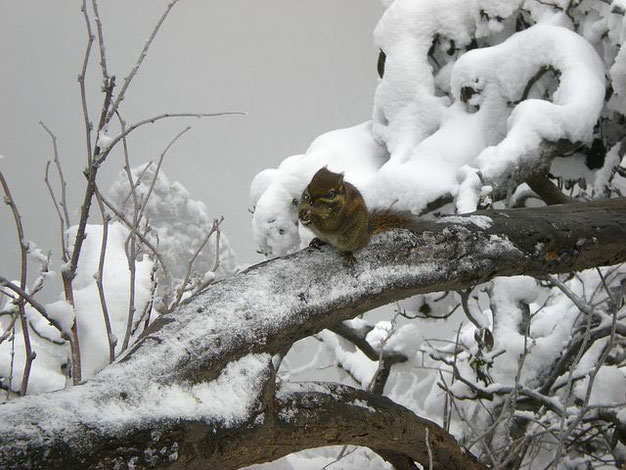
348,258
316,243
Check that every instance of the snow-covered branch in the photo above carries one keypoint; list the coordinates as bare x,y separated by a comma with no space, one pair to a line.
196,375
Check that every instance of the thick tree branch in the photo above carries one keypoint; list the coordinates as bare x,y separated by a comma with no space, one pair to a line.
276,303
306,415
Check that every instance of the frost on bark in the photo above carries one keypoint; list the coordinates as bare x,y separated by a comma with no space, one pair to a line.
159,406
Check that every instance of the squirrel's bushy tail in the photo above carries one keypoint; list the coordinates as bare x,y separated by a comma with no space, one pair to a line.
382,220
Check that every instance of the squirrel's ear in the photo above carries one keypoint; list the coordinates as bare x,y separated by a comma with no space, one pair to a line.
340,186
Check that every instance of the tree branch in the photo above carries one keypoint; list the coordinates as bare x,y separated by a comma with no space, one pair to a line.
268,307
29,354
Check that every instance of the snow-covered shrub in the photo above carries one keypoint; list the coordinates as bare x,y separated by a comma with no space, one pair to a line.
132,284
484,104
177,224
476,100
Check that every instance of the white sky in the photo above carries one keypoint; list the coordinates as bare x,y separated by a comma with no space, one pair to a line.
298,67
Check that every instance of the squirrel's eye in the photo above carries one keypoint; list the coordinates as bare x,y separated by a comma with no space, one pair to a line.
331,194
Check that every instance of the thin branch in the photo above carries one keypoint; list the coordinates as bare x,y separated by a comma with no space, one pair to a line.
81,82
379,379
109,86
157,170
12,365
490,392
33,303
29,354
143,239
154,119
122,93
103,61
358,339
137,182
133,185
576,300
99,275
181,290
568,356
131,257
63,184
9,329
130,246
145,315
216,264
565,433
204,285
64,253
471,316
342,454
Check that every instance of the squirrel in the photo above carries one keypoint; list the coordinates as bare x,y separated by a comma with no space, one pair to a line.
336,213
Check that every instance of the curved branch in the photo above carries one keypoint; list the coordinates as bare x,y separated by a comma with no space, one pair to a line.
304,416
33,303
311,290
273,304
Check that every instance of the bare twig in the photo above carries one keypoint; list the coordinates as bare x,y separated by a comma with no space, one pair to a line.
12,364
615,305
9,329
131,257
442,385
129,175
33,303
181,290
357,337
157,170
378,380
29,354
143,239
64,254
62,182
154,119
576,300
145,315
65,217
103,61
99,275
137,182
572,353
216,264
131,241
122,93
342,454
81,82
474,317
203,286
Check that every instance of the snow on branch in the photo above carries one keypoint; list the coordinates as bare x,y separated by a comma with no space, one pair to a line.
197,374
537,130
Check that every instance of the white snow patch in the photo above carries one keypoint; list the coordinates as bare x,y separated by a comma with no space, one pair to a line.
480,221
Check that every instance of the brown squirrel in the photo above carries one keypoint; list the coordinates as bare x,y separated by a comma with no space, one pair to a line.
336,213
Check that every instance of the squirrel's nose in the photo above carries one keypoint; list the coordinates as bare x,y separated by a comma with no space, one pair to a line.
304,215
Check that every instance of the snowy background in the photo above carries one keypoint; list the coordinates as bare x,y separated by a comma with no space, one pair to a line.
297,68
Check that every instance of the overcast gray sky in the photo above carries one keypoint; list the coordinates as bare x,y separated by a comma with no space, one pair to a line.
298,67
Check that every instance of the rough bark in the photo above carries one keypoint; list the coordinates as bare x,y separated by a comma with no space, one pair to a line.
272,305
